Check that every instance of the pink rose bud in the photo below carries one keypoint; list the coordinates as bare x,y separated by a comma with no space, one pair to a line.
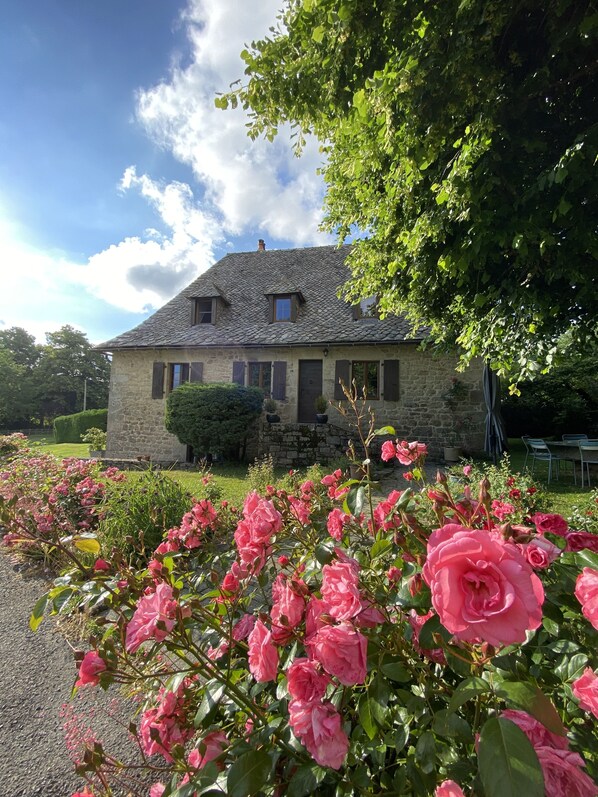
101,564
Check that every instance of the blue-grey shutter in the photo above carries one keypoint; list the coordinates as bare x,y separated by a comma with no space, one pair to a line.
196,373
391,380
239,372
279,380
342,374
158,380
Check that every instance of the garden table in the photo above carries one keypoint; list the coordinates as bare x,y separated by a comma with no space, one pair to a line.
566,450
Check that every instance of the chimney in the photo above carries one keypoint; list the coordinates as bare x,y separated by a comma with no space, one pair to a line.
261,245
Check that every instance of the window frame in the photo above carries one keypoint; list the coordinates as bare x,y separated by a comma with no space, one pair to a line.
197,312
185,375
263,367
359,312
283,297
366,364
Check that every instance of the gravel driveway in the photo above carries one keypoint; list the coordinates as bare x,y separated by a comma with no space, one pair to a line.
37,673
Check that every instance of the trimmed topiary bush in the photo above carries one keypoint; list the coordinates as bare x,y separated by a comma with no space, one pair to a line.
213,418
69,428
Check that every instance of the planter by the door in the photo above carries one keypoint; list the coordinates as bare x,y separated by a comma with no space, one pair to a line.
452,454
272,417
321,417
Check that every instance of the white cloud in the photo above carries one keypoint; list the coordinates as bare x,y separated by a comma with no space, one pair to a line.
252,185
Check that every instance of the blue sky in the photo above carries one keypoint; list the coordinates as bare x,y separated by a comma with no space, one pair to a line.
119,180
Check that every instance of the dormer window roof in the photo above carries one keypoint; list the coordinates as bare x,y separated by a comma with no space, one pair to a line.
204,309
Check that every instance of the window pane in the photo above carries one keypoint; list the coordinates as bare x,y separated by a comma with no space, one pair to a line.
260,375
365,375
203,311
282,308
177,375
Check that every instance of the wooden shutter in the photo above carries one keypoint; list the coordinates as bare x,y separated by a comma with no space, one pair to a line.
239,372
391,380
342,373
279,380
196,372
158,380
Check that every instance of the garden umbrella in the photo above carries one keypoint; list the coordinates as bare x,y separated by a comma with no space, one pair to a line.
495,440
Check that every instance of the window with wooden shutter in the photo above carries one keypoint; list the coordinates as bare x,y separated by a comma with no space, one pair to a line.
178,374
239,372
342,374
279,380
196,372
158,380
391,380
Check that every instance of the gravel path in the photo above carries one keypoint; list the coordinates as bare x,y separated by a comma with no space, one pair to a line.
37,673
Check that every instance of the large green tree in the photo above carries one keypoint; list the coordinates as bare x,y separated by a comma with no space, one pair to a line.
460,141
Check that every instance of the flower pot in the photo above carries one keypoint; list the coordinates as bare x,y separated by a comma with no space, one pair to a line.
271,417
321,417
452,454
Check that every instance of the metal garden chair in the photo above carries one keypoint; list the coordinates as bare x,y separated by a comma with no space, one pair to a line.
588,451
539,452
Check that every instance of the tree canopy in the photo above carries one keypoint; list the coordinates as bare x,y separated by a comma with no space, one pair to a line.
39,382
460,142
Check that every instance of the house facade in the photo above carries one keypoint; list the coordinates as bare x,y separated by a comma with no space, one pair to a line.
273,319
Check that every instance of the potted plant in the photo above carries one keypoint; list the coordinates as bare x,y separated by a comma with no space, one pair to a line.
96,438
321,405
271,414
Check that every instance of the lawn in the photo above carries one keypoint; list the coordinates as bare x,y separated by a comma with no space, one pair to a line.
561,495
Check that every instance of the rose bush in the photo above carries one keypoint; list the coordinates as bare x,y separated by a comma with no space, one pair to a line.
413,647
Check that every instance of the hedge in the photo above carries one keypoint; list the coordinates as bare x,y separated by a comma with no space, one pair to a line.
69,428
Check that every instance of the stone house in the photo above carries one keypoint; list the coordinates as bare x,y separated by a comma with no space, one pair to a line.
273,319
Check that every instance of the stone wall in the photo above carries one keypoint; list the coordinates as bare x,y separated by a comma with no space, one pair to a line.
300,444
136,420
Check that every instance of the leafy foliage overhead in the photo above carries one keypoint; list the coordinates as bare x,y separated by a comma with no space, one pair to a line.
461,142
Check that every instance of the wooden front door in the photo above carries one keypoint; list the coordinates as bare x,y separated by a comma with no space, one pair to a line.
310,387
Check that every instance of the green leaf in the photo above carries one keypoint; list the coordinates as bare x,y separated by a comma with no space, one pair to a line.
318,34
209,704
87,544
305,780
531,699
467,690
508,765
429,628
37,615
248,773
425,752
397,671
354,501
379,548
366,717
383,430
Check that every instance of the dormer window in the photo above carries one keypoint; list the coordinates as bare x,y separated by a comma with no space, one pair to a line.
367,308
283,306
204,311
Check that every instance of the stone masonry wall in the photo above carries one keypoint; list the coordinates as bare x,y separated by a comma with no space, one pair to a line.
136,420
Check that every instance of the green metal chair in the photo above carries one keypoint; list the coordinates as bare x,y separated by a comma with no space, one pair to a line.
539,452
588,451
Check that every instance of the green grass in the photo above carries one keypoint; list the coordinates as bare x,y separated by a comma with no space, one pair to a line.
560,495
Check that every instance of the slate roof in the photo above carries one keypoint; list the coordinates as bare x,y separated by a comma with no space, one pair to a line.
245,279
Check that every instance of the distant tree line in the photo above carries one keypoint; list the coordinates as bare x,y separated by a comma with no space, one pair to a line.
38,382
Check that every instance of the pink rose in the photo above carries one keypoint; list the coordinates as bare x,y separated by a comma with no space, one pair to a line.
318,726
243,627
482,588
336,523
448,788
387,452
287,609
340,590
157,790
555,524
165,725
586,592
158,607
501,509
101,565
585,690
342,651
90,668
305,682
393,574
466,472
563,776
313,617
537,733
540,552
263,655
407,453
209,748
580,540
